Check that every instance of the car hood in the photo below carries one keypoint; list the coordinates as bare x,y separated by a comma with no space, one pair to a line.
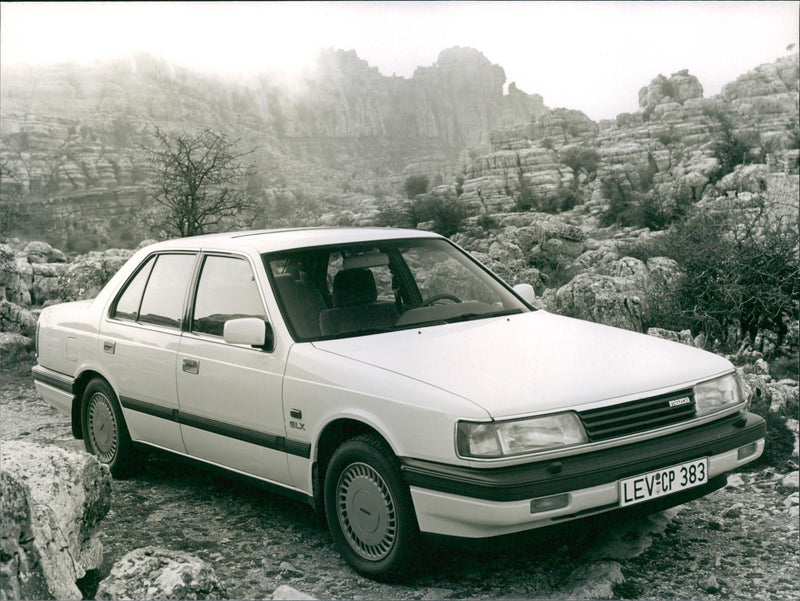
533,362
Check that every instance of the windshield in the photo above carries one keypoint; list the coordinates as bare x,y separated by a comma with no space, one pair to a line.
365,288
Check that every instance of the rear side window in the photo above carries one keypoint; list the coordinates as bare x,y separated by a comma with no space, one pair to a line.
227,290
164,295
128,303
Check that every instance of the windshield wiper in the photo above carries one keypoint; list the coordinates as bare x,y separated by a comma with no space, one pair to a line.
472,316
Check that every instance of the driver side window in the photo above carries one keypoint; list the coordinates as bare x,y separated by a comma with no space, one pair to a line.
227,289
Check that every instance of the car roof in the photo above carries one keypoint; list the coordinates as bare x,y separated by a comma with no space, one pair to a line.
265,241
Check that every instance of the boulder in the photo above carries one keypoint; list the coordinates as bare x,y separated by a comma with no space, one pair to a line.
12,343
44,285
288,593
20,564
594,580
614,301
42,252
69,493
16,319
158,573
87,274
15,277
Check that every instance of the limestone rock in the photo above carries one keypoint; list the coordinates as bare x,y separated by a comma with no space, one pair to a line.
791,481
158,573
678,88
20,564
69,494
12,343
87,274
42,252
684,336
15,277
594,581
16,319
287,593
603,299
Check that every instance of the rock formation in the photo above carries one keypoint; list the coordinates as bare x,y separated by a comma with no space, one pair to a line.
68,494
157,573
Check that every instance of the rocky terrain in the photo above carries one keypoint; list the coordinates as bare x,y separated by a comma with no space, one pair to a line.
337,144
529,190
737,543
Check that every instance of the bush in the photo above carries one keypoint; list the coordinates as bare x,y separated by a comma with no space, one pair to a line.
632,201
581,159
446,214
487,222
416,185
562,199
740,266
780,438
730,148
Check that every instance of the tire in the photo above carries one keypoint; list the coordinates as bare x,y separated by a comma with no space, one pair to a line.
104,431
369,510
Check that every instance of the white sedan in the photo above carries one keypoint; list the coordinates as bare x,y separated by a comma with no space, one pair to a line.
393,382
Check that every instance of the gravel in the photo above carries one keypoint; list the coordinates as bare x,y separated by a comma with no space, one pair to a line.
740,542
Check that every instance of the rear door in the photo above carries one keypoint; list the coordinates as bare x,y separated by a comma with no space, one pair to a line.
140,340
230,395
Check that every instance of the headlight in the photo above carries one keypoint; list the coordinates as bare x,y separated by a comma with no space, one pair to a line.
717,394
518,437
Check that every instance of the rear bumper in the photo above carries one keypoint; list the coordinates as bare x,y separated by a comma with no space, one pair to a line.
54,387
474,502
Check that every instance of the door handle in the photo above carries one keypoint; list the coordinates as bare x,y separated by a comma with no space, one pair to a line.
191,366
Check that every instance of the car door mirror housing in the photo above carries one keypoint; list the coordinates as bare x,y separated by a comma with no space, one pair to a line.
249,330
525,291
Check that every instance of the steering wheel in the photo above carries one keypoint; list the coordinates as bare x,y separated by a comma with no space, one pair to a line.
438,297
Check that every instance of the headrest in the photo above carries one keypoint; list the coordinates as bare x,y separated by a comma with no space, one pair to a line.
353,286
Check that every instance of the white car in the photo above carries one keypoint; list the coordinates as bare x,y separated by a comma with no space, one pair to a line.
393,382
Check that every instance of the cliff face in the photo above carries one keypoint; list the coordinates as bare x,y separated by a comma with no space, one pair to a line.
73,138
673,135
349,109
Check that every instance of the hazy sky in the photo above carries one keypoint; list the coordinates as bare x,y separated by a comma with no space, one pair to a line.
590,56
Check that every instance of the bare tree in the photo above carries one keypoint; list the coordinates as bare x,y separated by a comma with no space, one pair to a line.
196,178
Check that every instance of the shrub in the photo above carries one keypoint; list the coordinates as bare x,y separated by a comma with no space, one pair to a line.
416,185
581,159
729,148
487,222
740,268
559,200
784,367
447,214
780,438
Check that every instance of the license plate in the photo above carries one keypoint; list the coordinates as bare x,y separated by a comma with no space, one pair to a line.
663,482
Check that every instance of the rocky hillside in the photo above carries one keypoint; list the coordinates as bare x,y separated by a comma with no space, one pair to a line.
73,137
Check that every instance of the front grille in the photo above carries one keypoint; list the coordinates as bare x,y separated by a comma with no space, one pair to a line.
638,416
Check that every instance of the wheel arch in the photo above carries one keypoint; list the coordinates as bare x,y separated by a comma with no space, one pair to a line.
330,438
80,384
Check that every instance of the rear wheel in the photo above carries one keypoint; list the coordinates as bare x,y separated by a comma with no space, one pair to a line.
369,509
104,431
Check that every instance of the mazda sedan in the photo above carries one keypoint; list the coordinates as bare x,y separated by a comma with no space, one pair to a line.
391,381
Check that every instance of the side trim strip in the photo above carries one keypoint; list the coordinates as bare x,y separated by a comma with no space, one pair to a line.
263,439
45,376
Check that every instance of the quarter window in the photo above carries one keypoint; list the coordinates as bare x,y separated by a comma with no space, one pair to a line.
166,289
227,290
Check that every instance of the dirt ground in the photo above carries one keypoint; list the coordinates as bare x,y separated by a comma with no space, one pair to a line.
740,542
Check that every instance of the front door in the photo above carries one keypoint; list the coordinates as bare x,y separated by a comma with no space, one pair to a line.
230,395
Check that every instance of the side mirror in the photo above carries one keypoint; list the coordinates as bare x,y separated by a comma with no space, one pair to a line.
525,291
248,330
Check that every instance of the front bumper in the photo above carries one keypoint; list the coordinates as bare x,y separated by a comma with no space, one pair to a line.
483,502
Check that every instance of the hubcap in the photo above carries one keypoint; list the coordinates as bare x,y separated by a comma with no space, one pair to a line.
102,427
366,511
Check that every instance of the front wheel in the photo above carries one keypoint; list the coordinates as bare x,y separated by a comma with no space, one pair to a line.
104,431
369,509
